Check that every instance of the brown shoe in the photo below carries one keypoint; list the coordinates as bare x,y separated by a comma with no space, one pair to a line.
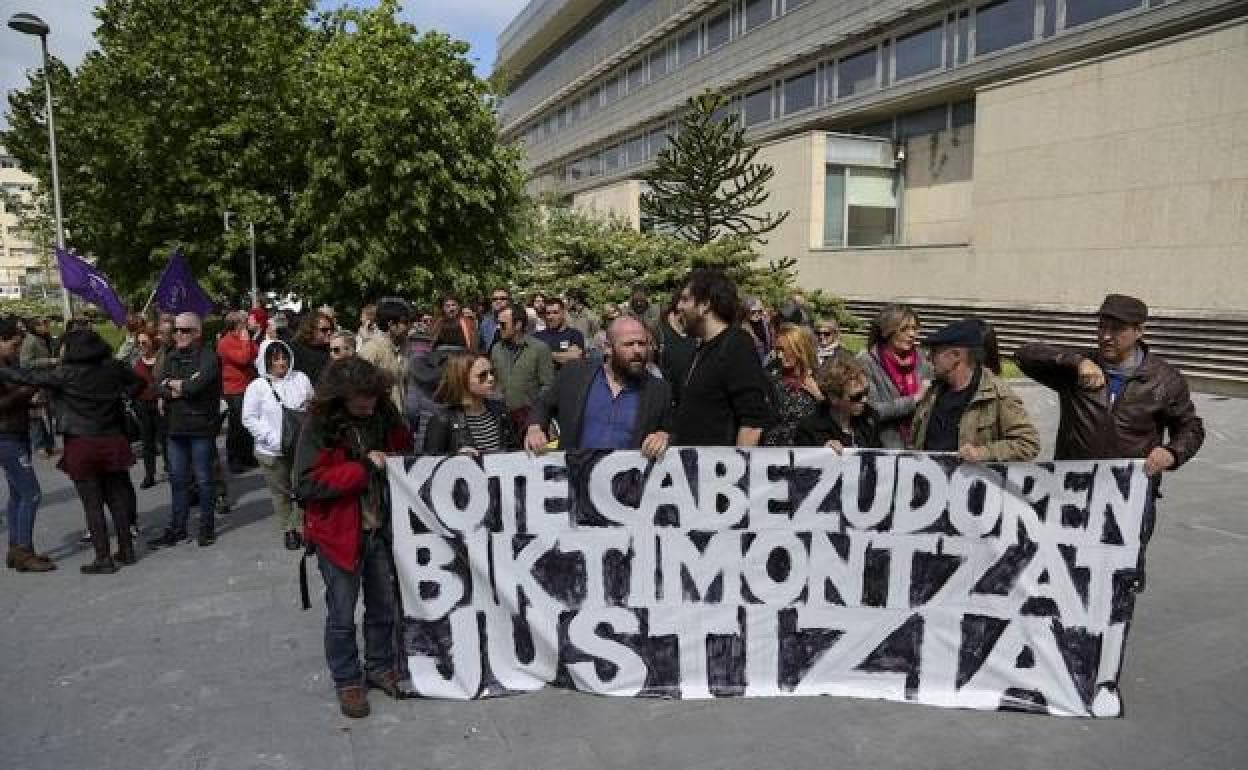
24,559
386,681
353,700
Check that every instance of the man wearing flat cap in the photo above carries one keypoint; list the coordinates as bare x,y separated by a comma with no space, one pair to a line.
1121,399
969,409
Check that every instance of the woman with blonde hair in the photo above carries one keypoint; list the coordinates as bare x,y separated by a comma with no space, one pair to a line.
472,421
897,372
796,392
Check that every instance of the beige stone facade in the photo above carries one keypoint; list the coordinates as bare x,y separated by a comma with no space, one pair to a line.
22,271
1126,173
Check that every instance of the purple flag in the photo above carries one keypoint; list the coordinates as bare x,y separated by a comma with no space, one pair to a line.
79,277
178,292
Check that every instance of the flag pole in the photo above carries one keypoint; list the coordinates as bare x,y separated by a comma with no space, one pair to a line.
156,288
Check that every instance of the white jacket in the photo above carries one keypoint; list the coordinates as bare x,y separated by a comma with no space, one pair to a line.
262,414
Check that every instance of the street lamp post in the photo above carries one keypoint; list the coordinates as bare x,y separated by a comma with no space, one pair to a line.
251,234
30,24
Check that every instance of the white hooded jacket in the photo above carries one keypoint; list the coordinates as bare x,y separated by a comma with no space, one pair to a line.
262,413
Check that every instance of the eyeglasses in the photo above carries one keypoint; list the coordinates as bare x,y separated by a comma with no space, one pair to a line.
500,298
325,329
184,330
488,374
826,333
339,349
756,311
856,398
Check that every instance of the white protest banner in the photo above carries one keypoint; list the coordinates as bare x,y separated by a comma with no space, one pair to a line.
718,572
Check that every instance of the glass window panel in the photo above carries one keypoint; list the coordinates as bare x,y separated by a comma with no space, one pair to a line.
636,150
1003,24
964,37
725,111
687,48
658,62
799,92
791,4
1050,17
964,113
718,30
757,12
657,141
636,76
919,122
881,128
611,158
834,206
920,51
594,162
884,68
871,207
1083,11
856,74
758,107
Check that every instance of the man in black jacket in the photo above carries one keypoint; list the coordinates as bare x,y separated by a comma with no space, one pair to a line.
614,405
189,380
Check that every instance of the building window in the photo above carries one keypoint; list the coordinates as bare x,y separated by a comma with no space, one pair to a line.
758,107
718,30
856,74
962,31
860,206
921,122
1049,9
1083,11
799,92
1003,24
757,13
657,141
919,52
834,207
963,113
611,159
790,5
658,62
636,150
636,76
594,165
687,47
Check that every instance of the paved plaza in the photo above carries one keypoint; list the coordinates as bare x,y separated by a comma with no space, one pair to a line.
201,658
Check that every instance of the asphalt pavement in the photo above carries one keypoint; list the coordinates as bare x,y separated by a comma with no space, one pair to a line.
201,658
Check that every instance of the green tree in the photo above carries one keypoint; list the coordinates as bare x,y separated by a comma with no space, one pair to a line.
185,111
569,249
366,156
408,186
705,183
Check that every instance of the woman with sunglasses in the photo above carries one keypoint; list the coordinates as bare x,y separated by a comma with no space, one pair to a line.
843,418
472,421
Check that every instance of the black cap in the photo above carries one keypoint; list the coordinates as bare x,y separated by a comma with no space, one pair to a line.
967,333
1126,309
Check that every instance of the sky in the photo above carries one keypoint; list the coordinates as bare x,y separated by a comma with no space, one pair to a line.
477,21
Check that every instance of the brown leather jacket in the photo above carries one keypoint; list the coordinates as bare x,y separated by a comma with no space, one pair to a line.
1155,404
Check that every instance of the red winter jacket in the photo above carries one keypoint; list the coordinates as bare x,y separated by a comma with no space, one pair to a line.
330,480
238,359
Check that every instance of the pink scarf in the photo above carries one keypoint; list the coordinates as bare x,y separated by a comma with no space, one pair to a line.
903,373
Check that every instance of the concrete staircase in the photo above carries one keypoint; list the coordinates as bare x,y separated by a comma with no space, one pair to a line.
1211,350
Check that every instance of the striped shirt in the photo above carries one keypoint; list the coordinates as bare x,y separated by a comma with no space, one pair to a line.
484,429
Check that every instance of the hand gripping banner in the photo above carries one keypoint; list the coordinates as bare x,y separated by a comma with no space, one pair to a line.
721,572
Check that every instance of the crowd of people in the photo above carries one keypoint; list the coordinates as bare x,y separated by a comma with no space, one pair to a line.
317,404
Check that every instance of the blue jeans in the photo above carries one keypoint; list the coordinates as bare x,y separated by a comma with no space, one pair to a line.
23,488
342,590
191,461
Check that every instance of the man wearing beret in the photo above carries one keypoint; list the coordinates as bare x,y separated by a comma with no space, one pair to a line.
969,409
1120,400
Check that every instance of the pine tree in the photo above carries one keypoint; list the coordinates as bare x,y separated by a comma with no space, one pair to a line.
706,183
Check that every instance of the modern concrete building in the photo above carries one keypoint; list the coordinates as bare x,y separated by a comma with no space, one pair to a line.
1014,158
25,270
